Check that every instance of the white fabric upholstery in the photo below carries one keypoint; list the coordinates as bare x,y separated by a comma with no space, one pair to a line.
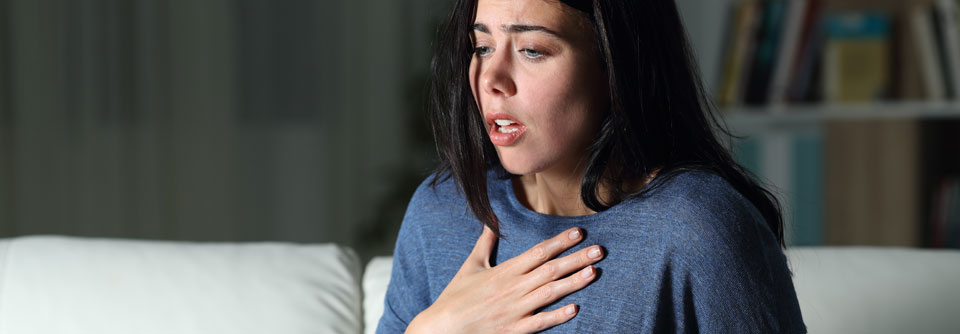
877,289
375,280
64,285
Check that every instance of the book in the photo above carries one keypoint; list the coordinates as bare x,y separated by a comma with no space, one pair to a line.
948,43
856,64
945,232
768,42
907,78
746,151
922,26
800,87
895,170
739,53
727,52
941,210
940,40
871,184
796,17
953,222
777,166
790,166
808,189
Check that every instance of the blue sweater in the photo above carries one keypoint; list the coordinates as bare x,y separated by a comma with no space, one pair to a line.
692,256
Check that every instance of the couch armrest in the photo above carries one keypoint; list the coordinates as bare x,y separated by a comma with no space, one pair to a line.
59,285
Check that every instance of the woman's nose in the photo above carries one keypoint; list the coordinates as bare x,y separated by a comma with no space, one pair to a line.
496,78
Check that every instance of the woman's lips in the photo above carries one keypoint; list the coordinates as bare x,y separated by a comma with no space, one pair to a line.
507,137
504,129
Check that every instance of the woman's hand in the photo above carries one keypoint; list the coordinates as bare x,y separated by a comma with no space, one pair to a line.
502,299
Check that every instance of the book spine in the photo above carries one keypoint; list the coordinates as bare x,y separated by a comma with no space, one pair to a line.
802,82
796,17
940,42
752,36
922,27
808,185
953,223
727,50
737,53
766,53
776,163
947,14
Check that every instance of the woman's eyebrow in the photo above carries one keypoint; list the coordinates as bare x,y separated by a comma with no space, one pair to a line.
516,28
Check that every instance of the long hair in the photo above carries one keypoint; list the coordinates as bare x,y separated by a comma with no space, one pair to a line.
659,117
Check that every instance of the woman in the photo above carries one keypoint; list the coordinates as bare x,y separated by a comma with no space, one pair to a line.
562,123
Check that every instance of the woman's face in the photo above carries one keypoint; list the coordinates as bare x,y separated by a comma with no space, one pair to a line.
538,82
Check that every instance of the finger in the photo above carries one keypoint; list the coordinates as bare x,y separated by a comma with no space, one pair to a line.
558,268
552,291
544,320
480,255
544,251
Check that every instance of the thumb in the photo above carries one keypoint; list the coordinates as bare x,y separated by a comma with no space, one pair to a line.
484,247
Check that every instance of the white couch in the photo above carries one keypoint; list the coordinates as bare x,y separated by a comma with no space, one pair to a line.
60,285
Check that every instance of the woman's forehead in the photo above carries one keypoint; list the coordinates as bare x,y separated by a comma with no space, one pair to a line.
500,15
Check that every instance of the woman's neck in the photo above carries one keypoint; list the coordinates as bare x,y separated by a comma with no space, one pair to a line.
549,194
559,194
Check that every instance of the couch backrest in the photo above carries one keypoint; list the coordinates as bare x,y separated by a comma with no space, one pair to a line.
877,289
60,285
376,277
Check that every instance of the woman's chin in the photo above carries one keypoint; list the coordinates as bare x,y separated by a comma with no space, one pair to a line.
518,167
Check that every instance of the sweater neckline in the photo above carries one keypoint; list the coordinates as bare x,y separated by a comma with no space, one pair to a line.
506,186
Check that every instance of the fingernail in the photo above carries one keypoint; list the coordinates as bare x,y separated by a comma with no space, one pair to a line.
569,310
586,272
574,234
594,253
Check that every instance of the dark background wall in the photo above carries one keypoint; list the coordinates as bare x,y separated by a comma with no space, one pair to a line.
228,120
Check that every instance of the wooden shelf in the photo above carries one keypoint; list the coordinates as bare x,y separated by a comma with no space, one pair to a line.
791,118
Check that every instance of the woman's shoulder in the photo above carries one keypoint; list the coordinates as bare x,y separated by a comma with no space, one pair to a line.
695,182
720,242
438,219
437,191
704,205
692,189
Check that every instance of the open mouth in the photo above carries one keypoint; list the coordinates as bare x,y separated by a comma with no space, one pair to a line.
506,126
504,129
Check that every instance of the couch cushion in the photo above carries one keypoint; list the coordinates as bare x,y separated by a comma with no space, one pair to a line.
376,278
59,285
877,289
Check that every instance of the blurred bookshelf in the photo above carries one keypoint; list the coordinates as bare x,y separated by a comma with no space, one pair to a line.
850,109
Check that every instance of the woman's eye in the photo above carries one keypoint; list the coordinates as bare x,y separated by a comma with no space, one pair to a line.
481,50
531,53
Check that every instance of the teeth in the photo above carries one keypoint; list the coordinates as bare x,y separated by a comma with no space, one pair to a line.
505,130
503,122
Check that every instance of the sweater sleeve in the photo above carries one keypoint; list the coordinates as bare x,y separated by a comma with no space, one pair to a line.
731,275
408,291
